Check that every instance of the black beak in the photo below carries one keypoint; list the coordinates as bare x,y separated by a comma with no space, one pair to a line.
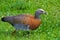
44,12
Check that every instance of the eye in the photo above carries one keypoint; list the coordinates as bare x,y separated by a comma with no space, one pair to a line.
41,11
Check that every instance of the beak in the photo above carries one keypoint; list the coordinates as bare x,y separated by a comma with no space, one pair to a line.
44,12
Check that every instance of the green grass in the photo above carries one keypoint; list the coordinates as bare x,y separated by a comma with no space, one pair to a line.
48,30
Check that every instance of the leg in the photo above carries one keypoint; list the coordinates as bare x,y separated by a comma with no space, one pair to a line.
26,33
13,32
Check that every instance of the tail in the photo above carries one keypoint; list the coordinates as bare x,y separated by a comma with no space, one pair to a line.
7,19
3,19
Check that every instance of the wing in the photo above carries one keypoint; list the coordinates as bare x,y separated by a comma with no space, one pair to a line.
23,19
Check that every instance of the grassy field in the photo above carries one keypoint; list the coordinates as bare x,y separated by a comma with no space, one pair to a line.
48,30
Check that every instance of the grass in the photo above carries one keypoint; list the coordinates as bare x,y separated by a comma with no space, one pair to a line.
48,30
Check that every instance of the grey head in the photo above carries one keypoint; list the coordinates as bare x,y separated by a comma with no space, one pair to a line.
39,12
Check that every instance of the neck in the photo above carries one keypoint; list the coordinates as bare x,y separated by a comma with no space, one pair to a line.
37,16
